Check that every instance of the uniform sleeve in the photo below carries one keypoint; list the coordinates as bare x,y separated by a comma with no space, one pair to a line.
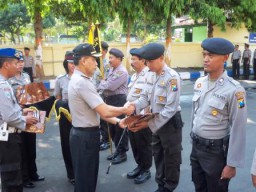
10,113
114,82
57,89
238,120
169,110
89,94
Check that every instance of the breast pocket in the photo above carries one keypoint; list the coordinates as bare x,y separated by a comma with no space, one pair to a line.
65,94
216,111
138,88
160,95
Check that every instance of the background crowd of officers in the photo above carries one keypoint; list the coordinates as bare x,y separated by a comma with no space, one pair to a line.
245,59
99,103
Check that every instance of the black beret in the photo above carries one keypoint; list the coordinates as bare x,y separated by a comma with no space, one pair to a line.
69,56
218,46
104,45
152,51
136,51
85,49
116,52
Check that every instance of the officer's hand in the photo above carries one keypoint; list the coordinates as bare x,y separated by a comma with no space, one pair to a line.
122,123
139,126
228,172
129,108
254,180
30,120
26,110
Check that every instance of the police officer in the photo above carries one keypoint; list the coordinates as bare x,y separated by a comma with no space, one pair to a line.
254,64
141,140
218,121
29,141
61,94
253,169
166,126
235,59
86,107
16,120
29,64
114,91
246,61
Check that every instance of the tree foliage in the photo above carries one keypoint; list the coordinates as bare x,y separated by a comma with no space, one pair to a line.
13,19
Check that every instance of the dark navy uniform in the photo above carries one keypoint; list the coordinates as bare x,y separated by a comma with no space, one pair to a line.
61,89
219,116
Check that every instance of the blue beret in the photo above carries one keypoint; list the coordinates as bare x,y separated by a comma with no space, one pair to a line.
85,49
136,51
9,53
218,46
116,52
152,51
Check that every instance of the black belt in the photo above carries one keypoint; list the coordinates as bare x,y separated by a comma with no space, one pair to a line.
113,96
209,142
87,128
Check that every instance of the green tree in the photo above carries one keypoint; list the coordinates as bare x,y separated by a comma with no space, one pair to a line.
13,19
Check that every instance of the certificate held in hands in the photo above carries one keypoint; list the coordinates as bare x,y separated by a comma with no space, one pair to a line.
131,121
39,127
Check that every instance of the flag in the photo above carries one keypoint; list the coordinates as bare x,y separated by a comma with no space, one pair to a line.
94,39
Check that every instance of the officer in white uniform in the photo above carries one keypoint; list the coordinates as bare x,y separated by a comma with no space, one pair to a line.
218,121
13,116
166,126
86,107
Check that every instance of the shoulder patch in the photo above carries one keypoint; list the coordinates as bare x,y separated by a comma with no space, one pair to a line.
174,86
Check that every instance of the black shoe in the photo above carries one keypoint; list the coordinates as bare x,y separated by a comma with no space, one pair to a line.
160,189
28,184
112,156
142,177
72,181
39,178
134,173
122,157
104,146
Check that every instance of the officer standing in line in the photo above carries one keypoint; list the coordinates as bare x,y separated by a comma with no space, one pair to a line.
16,119
253,169
86,107
219,116
235,59
29,64
246,61
114,92
166,126
254,64
61,94
141,140
20,79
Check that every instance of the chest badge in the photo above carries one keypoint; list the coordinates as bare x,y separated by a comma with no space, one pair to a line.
137,91
161,98
199,85
214,112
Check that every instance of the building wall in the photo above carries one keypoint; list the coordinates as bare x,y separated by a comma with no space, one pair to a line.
199,33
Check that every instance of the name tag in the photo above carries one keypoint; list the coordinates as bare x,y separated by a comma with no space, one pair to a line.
4,134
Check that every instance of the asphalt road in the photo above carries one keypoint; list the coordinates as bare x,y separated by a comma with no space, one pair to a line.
50,163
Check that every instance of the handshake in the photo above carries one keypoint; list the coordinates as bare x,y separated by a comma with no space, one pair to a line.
129,108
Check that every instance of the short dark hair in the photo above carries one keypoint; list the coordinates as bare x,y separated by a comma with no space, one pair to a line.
26,48
65,65
4,59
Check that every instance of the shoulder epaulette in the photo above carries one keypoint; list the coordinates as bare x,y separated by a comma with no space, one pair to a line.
61,76
234,82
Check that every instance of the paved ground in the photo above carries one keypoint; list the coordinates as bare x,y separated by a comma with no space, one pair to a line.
50,163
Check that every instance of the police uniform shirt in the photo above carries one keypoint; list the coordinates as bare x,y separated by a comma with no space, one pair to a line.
61,87
83,99
97,77
116,82
106,67
164,98
253,168
10,111
247,54
138,83
16,82
219,111
236,54
28,61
